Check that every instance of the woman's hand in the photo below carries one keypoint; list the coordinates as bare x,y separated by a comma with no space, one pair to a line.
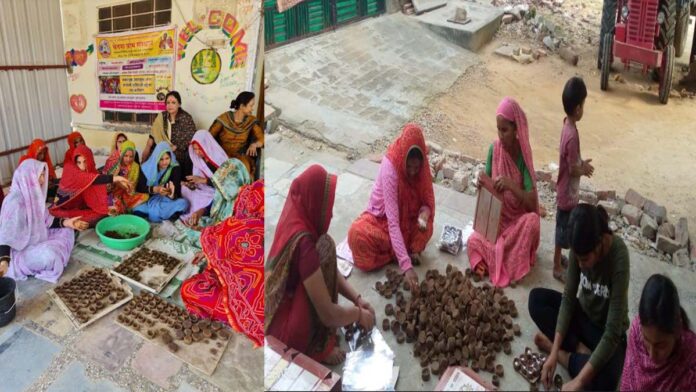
423,220
195,217
171,189
251,151
572,385
76,224
123,183
196,179
362,304
504,184
4,266
587,169
367,319
412,279
549,370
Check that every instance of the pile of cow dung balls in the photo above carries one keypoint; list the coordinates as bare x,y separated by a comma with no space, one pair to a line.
451,321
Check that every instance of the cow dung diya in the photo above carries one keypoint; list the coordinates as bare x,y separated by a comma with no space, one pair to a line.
89,293
147,312
451,322
529,365
144,258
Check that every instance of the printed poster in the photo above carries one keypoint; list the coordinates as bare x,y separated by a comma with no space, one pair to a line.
136,69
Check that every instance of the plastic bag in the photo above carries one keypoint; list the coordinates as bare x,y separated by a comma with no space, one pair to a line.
451,240
369,363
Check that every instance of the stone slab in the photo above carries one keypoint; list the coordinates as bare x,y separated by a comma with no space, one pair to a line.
667,229
485,20
48,315
75,378
275,169
24,356
365,168
106,343
667,245
648,227
421,6
347,184
156,364
240,368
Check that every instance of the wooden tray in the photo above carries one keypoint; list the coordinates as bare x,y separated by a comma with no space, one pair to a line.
154,272
489,206
197,354
528,352
458,378
59,301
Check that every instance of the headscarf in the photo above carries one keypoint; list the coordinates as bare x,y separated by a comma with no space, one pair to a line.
24,219
640,373
115,156
115,139
510,110
151,170
212,151
417,192
34,148
307,212
71,145
113,167
75,181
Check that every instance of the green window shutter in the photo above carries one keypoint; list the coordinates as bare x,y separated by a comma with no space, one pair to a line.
346,10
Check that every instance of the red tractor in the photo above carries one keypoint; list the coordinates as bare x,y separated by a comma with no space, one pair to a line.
648,33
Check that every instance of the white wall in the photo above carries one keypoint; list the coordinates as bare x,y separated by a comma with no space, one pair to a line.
203,102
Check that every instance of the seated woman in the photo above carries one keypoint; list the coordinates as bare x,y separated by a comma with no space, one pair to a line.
584,328
510,166
398,222
239,132
39,150
120,138
302,277
160,178
84,192
122,163
75,140
207,156
230,289
32,242
661,353
176,127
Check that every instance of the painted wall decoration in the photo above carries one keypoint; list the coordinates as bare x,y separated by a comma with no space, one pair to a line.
78,58
229,26
205,66
78,103
135,70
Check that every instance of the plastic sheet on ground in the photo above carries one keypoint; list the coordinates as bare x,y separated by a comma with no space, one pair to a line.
369,367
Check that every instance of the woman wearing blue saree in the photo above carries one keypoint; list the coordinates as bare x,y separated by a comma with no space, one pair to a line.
160,178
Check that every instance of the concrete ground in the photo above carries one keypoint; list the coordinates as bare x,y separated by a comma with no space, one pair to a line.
41,350
289,156
356,85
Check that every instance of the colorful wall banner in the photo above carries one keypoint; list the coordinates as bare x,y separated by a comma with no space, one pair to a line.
230,27
205,66
136,70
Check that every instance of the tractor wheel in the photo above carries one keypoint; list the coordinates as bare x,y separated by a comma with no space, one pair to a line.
666,72
668,27
682,30
606,60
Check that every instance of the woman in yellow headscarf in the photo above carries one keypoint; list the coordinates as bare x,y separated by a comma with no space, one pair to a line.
122,163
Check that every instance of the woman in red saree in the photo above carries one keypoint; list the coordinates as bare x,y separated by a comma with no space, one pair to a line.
39,150
75,140
511,168
302,278
398,222
230,289
84,192
122,163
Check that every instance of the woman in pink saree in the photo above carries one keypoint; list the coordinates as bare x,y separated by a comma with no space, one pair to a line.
32,241
510,166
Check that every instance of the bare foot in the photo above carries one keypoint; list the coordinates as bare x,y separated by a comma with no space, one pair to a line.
336,357
543,342
481,270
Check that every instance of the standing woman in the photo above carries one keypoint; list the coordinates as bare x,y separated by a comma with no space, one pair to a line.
84,192
239,132
161,179
176,127
302,277
75,140
398,222
511,167
32,242
585,328
207,157
661,353
123,163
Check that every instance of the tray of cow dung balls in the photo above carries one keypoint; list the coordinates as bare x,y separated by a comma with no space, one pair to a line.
148,269
198,342
529,365
451,322
90,295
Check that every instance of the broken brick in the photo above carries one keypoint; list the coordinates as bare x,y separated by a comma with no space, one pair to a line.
634,198
632,214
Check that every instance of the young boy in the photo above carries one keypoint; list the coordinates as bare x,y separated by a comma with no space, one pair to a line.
571,167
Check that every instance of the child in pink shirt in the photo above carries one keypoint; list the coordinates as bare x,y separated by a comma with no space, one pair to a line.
571,166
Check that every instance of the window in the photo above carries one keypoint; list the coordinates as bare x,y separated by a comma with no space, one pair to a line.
133,16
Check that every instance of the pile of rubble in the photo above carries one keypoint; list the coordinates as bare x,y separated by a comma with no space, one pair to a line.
641,222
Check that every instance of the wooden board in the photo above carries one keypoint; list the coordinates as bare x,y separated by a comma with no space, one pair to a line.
197,354
59,301
155,272
458,378
489,207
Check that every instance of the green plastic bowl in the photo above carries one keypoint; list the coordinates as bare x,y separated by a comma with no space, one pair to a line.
124,224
